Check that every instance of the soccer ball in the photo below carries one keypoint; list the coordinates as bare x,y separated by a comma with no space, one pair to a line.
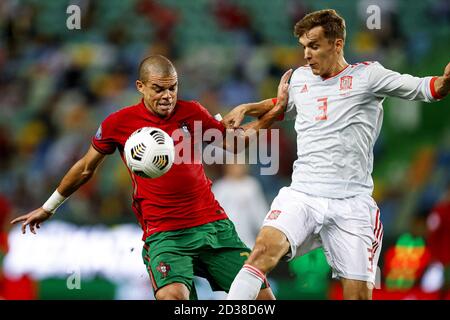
149,152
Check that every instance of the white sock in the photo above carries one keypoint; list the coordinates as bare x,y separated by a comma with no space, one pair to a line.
247,284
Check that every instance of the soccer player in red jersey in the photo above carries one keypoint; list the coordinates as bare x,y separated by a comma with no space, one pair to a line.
186,231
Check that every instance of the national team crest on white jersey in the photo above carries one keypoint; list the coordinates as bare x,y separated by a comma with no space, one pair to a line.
346,83
304,89
274,214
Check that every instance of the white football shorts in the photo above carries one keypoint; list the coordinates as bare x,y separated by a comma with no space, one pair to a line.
349,230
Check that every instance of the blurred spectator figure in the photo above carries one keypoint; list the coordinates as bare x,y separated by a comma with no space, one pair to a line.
242,198
230,16
438,239
6,148
237,89
390,31
163,18
296,10
384,43
439,11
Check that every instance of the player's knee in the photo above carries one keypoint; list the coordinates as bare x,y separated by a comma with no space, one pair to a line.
357,290
364,294
271,245
174,291
264,257
358,295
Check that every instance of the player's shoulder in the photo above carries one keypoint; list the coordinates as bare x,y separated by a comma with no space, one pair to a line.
301,73
188,103
126,111
122,115
364,70
364,66
189,107
305,69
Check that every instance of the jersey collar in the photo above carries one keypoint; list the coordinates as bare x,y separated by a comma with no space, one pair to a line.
335,75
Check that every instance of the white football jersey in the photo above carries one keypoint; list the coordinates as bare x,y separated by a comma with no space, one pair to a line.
338,120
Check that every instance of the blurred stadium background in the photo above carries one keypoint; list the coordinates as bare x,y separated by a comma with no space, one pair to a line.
56,86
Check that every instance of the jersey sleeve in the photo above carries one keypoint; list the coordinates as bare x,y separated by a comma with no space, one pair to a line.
291,110
104,140
384,82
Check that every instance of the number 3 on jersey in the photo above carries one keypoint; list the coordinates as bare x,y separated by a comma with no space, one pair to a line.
323,106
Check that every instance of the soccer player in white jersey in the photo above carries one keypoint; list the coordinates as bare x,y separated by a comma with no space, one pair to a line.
339,112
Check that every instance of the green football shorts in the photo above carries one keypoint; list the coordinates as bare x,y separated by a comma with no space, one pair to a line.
213,251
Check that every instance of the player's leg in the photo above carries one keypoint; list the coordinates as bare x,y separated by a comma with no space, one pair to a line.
173,291
270,246
169,263
223,259
176,291
352,237
286,227
356,289
265,294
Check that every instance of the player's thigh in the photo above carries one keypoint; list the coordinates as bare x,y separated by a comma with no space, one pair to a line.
352,238
296,215
224,257
221,267
167,265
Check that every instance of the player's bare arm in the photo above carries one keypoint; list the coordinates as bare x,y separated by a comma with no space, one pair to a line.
442,84
250,130
256,109
79,174
267,119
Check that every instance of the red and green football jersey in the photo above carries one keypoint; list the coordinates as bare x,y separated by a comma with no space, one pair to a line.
181,198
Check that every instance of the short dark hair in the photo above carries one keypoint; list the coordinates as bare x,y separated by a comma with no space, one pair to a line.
332,23
155,64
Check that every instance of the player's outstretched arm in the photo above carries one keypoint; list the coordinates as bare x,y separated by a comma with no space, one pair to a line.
234,118
78,175
255,109
383,82
442,84
250,130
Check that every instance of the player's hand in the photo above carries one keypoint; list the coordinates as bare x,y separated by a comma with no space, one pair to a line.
33,219
442,84
447,72
283,90
234,118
